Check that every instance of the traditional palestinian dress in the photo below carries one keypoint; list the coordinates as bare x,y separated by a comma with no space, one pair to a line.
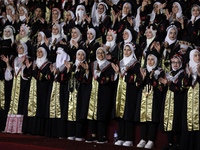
19,96
126,94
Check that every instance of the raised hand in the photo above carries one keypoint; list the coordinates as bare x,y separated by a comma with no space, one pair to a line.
51,68
68,65
168,15
151,75
162,80
28,64
189,70
143,73
5,59
130,20
115,67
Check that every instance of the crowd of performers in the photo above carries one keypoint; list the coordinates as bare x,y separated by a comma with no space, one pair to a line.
72,65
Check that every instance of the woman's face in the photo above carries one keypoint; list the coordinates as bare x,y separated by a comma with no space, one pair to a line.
196,57
68,16
22,32
125,35
74,34
150,60
149,34
100,9
100,54
90,36
55,30
20,49
7,33
38,13
155,7
126,9
195,11
176,63
39,37
127,51
54,15
172,34
39,53
21,11
175,8
8,10
80,56
109,37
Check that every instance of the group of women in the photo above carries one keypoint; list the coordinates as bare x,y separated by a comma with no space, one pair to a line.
69,66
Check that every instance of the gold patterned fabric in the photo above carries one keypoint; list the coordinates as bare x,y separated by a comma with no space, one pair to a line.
121,97
169,111
32,103
55,111
2,95
92,110
193,108
15,94
146,104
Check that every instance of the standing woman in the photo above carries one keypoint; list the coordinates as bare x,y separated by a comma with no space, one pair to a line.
149,101
194,26
78,97
101,97
129,79
41,70
171,47
75,43
190,136
171,117
111,46
91,45
20,90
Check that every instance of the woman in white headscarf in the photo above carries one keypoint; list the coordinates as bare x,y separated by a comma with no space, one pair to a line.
20,88
100,20
59,83
79,93
75,43
102,94
68,24
149,101
129,76
194,25
191,103
10,12
172,111
23,13
91,45
111,46
171,47
80,12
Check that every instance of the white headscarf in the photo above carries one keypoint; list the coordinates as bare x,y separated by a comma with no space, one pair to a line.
150,68
125,59
167,37
193,65
179,13
25,50
42,34
78,37
113,42
137,20
93,33
13,12
100,62
22,18
77,62
12,31
26,37
72,15
130,8
149,41
115,2
41,61
96,15
59,33
192,18
59,13
153,14
80,13
61,57
130,37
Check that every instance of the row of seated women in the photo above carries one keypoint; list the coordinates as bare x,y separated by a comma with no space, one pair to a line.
60,78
